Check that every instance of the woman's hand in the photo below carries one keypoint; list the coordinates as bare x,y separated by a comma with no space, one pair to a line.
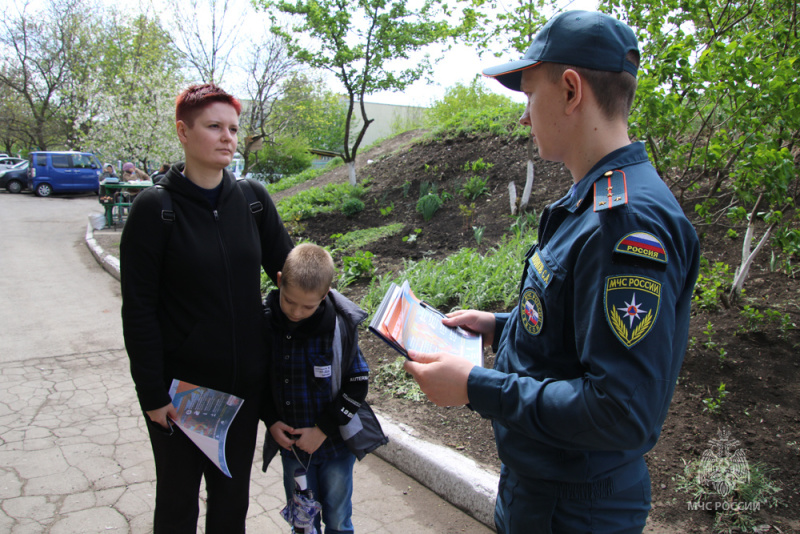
161,415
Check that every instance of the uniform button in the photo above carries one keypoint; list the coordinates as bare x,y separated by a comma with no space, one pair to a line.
286,381
288,403
608,173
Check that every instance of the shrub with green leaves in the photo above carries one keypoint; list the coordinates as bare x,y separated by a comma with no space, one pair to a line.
351,206
315,200
712,282
429,205
735,511
474,187
356,266
462,280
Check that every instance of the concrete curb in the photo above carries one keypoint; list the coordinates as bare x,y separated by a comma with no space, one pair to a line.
456,478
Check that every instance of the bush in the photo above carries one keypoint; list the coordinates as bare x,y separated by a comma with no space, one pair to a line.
351,206
429,205
474,187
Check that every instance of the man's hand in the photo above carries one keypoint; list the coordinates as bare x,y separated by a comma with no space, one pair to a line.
161,414
310,438
476,321
441,376
282,434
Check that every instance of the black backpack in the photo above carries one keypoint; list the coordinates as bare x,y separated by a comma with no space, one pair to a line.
168,215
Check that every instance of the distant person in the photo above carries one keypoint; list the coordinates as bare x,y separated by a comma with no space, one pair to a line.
108,172
160,173
131,173
192,308
318,381
586,364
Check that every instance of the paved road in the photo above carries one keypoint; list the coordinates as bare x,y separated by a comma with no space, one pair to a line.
74,456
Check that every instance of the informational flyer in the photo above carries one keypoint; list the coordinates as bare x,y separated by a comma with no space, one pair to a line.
407,323
205,415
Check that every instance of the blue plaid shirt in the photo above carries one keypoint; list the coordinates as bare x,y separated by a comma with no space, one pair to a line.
300,375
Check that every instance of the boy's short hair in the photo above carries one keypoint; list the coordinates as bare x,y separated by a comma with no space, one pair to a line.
308,267
196,98
614,91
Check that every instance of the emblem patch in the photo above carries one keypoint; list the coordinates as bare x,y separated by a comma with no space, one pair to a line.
631,306
531,312
540,267
642,245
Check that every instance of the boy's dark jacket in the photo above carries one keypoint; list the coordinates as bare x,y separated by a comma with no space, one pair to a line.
371,435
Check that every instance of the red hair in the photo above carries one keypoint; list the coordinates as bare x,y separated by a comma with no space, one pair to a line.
196,98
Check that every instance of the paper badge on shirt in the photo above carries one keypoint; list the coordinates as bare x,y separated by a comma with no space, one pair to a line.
322,371
631,306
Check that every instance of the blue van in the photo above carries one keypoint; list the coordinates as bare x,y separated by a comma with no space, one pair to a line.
63,172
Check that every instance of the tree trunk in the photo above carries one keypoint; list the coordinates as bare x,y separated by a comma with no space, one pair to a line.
351,171
526,192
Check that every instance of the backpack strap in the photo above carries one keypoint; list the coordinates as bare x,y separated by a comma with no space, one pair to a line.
167,214
256,207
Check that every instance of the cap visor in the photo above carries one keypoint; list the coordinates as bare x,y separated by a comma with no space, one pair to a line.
510,74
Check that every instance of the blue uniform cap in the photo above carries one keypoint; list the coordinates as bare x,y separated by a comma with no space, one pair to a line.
586,39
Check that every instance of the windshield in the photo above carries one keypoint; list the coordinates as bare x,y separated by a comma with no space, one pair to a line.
20,165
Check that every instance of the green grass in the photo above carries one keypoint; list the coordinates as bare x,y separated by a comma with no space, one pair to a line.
361,238
463,280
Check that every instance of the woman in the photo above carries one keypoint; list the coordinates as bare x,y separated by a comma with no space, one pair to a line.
191,308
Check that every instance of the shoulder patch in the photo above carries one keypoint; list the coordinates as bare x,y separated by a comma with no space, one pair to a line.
643,245
531,311
631,306
610,191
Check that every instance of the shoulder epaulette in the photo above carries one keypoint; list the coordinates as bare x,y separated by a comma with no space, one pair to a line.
610,190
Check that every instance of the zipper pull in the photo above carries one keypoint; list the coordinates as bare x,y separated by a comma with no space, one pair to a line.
216,215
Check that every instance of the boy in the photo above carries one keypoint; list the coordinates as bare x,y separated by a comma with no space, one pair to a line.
586,364
318,383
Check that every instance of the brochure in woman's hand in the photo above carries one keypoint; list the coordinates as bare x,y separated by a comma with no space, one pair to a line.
205,415
407,323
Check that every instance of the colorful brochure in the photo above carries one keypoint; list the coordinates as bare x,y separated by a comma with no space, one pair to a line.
205,415
407,323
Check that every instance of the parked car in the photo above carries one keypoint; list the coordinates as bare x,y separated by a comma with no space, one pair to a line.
15,179
63,172
7,162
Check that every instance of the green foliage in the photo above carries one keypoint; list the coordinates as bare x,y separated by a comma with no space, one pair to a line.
734,512
429,205
477,233
712,283
386,210
466,278
470,109
358,41
468,212
393,380
478,166
523,223
351,206
361,238
713,404
287,155
406,187
710,344
760,321
266,283
359,265
313,201
474,187
412,237
290,181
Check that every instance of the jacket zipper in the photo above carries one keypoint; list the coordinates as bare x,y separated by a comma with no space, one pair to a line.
231,307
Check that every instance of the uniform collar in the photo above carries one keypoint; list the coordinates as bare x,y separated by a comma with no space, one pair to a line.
631,154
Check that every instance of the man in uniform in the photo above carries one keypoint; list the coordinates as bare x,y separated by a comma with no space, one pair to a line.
586,364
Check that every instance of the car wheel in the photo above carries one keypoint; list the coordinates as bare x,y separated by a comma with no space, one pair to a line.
44,190
14,186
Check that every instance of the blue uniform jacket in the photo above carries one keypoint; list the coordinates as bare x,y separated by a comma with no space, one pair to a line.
586,364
